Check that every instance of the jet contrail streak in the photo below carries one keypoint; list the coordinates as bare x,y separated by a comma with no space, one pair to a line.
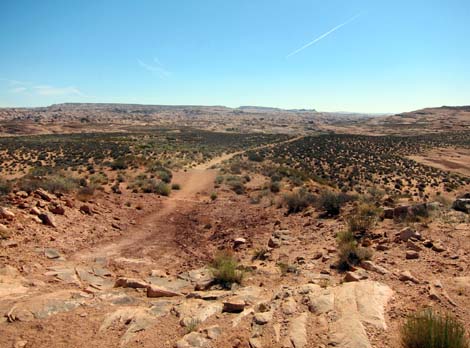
323,36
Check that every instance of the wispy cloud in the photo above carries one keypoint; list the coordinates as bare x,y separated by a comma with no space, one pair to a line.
321,37
24,87
155,68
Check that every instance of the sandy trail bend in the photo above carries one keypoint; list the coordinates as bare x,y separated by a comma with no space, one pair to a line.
157,228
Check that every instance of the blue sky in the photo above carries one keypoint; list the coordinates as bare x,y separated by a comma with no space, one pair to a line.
364,55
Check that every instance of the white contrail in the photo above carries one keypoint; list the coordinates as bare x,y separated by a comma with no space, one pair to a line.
323,35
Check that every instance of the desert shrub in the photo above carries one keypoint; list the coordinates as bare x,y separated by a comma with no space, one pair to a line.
298,201
213,196
5,187
59,183
119,164
175,186
349,252
98,179
236,184
85,193
163,189
224,270
429,329
219,179
275,186
255,157
331,202
363,218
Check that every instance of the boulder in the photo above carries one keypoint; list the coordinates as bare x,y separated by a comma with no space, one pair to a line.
408,233
57,209
86,209
47,219
462,204
234,305
6,213
237,242
133,283
407,276
159,291
193,340
370,266
411,255
43,195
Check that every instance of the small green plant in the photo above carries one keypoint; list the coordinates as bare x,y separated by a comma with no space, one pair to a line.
363,218
349,252
192,325
5,187
225,270
213,196
430,329
330,202
175,186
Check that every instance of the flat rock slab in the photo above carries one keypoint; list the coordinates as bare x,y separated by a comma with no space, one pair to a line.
45,305
357,303
176,285
131,319
11,283
194,310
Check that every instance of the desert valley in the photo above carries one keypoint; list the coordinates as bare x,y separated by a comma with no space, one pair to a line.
127,225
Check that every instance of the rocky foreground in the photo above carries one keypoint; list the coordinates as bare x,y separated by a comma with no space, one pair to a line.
292,294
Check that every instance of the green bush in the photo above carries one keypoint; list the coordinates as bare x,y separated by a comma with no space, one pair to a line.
329,201
224,270
429,329
118,164
363,218
176,186
58,183
349,253
5,187
297,201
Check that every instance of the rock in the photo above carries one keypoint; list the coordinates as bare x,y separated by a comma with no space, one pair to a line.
401,212
158,291
408,233
35,211
193,340
44,195
6,213
388,213
298,331
57,209
274,242
263,318
407,276
69,203
437,247
355,276
411,255
20,344
22,194
237,242
4,232
234,305
428,243
86,209
356,304
370,266
433,295
47,219
412,246
123,282
157,273
51,253
462,204
212,332
289,306
255,342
